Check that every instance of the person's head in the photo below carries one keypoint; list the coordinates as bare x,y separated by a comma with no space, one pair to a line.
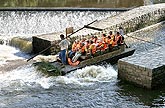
110,32
104,35
118,33
120,27
62,36
90,42
77,41
109,37
87,41
81,44
83,39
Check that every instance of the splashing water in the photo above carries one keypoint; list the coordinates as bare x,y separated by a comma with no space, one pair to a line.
10,53
27,76
89,74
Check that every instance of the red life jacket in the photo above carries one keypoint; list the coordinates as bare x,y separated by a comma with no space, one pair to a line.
73,64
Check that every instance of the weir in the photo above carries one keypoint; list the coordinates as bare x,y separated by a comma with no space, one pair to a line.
131,20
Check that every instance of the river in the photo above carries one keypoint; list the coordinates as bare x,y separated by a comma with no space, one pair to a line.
93,86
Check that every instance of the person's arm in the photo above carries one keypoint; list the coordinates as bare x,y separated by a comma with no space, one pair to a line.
60,43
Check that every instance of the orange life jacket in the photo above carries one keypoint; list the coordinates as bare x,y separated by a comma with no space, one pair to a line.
119,39
112,37
109,41
114,43
73,64
103,39
74,46
82,49
77,46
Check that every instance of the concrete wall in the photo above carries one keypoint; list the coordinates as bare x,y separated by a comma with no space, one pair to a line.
146,69
141,21
134,19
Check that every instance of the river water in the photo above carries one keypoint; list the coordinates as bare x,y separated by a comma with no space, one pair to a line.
92,86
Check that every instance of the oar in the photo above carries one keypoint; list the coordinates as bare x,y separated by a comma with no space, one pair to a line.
81,28
40,52
53,45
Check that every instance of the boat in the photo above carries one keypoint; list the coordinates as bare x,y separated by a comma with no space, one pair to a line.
56,68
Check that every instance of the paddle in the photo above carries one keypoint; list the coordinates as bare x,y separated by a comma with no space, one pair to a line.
53,45
81,28
40,52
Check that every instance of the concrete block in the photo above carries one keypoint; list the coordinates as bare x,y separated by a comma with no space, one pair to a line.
145,75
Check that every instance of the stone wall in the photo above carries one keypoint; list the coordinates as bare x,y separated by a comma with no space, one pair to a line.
145,69
134,19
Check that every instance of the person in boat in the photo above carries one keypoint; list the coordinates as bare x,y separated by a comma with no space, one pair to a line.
74,48
100,45
95,39
92,48
119,39
83,40
103,43
64,47
110,43
87,44
112,39
121,31
111,35
80,51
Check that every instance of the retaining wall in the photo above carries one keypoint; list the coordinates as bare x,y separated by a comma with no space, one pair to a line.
146,69
134,19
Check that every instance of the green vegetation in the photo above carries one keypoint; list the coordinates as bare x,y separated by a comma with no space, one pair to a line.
71,3
48,69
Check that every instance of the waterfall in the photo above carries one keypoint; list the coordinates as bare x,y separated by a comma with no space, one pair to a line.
28,23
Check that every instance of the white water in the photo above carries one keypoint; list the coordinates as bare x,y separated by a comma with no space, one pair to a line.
89,75
27,76
33,23
10,53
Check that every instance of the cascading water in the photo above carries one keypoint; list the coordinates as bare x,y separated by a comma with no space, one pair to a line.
33,23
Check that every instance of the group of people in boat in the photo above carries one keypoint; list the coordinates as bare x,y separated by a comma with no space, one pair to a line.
87,47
